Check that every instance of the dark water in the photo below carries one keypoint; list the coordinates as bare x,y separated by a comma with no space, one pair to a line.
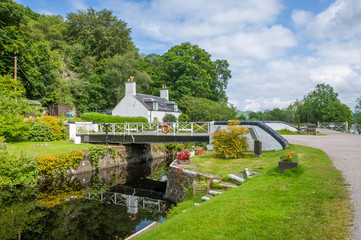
84,207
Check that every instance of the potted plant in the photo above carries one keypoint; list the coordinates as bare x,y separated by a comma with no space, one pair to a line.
183,157
287,161
199,150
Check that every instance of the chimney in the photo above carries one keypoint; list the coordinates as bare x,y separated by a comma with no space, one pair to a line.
164,93
130,87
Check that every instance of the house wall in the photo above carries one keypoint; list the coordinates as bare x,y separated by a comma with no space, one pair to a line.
130,107
160,115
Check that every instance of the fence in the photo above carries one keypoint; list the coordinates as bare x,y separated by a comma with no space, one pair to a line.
338,126
308,128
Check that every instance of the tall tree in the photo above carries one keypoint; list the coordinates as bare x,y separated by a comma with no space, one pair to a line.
323,105
358,114
189,70
103,33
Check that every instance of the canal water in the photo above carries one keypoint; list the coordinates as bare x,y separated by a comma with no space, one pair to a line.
95,206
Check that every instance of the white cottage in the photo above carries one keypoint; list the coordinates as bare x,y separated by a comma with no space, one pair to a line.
140,105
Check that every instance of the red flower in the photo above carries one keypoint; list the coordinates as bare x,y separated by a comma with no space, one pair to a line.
184,155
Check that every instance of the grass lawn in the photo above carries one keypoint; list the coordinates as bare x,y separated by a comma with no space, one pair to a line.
309,202
289,132
44,148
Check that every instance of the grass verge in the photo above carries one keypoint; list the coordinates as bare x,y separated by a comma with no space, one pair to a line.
44,148
308,202
289,132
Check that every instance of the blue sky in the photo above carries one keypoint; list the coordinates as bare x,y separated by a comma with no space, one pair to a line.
278,50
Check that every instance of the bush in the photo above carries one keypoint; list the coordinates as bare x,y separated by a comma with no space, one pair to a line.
56,125
52,165
40,132
169,118
16,171
230,142
104,118
183,117
13,127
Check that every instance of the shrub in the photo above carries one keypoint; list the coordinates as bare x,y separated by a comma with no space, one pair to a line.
183,117
13,127
16,171
104,118
231,141
56,125
169,118
52,165
40,132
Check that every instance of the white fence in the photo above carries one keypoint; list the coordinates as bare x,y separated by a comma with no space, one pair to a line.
338,126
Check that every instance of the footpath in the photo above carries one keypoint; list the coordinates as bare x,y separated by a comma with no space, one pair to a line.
345,152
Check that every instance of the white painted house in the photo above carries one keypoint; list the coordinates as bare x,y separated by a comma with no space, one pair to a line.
140,105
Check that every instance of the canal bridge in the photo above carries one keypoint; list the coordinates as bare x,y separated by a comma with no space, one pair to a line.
183,132
143,133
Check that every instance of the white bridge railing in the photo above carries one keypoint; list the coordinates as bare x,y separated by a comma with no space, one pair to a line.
173,128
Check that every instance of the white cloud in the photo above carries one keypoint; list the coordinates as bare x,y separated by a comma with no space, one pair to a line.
259,104
301,18
341,20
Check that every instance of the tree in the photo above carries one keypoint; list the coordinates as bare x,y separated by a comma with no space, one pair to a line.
202,109
169,118
358,114
323,105
102,33
190,71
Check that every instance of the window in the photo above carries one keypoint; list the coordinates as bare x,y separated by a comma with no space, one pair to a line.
175,107
155,106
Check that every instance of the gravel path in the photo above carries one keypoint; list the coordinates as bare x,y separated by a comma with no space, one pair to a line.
345,152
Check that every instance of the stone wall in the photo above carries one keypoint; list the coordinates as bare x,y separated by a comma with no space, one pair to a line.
131,162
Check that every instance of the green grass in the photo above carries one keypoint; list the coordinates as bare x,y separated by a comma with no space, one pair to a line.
308,202
288,132
44,148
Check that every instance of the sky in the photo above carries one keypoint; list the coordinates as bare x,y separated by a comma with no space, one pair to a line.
278,50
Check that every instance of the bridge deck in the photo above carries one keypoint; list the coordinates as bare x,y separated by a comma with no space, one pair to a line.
142,138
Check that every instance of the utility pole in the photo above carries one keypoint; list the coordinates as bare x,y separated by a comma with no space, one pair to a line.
15,69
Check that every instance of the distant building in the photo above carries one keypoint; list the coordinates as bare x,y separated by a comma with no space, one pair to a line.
140,105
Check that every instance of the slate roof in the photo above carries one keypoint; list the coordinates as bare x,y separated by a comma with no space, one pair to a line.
162,102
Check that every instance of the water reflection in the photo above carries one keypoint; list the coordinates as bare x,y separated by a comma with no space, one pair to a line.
87,206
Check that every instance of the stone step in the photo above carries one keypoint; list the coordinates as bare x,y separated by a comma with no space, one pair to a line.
228,185
206,198
216,192
239,177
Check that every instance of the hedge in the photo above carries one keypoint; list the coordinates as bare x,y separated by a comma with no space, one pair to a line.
104,118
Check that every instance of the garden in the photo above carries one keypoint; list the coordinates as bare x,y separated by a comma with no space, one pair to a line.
310,201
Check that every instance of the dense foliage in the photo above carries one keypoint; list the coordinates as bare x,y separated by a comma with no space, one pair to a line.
104,118
231,141
202,109
16,171
83,60
358,114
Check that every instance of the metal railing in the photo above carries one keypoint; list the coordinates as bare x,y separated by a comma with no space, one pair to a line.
189,128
